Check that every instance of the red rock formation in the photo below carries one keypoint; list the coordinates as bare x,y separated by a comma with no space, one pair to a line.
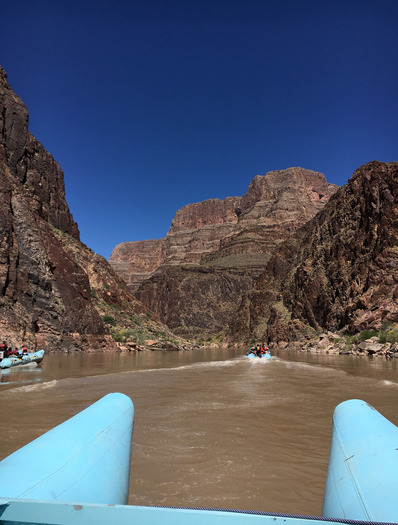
30,166
338,272
208,232
207,213
44,294
215,250
54,291
274,206
195,231
137,260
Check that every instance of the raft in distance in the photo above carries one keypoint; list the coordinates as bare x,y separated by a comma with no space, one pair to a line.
22,359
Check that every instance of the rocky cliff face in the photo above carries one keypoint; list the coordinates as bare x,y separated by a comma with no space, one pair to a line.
195,301
29,166
54,291
195,277
195,231
43,292
137,260
275,205
338,272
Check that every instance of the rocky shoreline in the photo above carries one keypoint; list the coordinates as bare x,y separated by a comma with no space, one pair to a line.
328,343
335,344
156,346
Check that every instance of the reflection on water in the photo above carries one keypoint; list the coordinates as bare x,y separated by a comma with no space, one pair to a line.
18,375
60,366
212,428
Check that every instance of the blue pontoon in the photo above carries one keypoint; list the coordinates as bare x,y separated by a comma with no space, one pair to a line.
22,359
85,476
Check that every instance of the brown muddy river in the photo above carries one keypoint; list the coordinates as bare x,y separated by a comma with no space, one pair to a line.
212,428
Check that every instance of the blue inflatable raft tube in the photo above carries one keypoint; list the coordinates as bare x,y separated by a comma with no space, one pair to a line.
362,478
78,473
22,359
86,458
23,512
265,356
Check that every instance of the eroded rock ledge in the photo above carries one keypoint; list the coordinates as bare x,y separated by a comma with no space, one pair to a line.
217,231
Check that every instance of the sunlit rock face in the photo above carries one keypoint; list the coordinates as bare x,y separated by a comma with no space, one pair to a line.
195,277
274,206
338,272
195,231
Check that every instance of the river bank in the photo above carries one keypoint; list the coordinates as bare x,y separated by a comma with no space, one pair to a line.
368,343
328,343
331,343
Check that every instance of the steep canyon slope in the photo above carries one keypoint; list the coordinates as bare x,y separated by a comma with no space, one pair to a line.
54,291
293,257
195,277
338,272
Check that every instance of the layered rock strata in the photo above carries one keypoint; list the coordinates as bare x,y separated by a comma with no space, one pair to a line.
230,232
54,291
195,277
338,272
195,231
275,205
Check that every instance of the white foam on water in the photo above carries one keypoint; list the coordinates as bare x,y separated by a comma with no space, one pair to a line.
35,387
389,383
259,361
321,368
210,364
202,364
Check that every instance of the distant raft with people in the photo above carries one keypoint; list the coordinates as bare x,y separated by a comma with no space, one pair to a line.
22,359
259,352
265,355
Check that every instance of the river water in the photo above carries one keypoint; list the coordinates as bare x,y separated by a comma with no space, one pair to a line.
212,428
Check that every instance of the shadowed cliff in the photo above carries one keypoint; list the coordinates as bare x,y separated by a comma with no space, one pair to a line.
338,272
55,293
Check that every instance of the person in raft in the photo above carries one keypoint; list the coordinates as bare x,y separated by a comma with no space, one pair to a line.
9,352
266,349
3,349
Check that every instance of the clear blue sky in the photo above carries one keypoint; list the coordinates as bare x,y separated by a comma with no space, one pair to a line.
153,104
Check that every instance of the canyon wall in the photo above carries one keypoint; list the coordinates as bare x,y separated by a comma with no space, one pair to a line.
233,231
195,277
54,291
338,272
291,258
